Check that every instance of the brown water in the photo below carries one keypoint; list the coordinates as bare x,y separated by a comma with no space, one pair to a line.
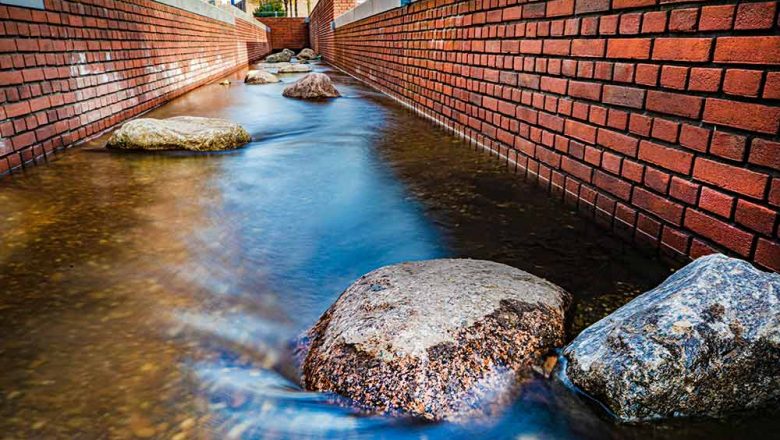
157,295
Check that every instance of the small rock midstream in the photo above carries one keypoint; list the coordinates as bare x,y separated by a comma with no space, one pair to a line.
157,295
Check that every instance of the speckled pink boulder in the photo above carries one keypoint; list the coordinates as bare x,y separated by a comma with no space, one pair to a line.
312,86
440,339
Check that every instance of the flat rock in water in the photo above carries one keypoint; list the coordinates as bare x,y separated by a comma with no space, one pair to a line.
306,54
703,343
260,77
312,86
440,339
179,133
295,68
280,57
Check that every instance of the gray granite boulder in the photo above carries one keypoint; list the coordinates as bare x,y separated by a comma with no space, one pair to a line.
440,339
312,86
306,54
179,133
295,68
703,343
280,57
260,77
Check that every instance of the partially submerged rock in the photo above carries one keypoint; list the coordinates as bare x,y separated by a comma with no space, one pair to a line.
295,68
179,133
260,77
441,339
280,57
312,86
224,82
306,54
703,343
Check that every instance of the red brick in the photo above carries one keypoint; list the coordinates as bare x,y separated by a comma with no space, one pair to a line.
675,240
672,159
613,185
657,205
588,48
585,6
665,130
747,116
587,90
727,145
755,217
716,202
705,79
695,138
774,192
647,74
623,96
684,190
716,18
682,49
768,254
576,169
742,82
617,142
772,86
654,22
765,153
674,103
732,178
578,130
629,24
755,15
674,77
620,4
683,20
722,233
558,8
631,48
748,50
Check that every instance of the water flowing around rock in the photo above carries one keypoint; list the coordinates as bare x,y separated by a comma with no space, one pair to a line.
703,343
179,133
441,339
312,86
280,57
295,68
260,77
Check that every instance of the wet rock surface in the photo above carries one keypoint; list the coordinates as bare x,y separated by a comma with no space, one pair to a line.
295,68
441,339
705,342
280,57
179,133
306,54
312,86
260,77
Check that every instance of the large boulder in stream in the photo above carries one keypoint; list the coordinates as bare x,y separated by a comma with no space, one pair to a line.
312,86
703,343
280,57
260,77
306,54
295,68
440,339
179,133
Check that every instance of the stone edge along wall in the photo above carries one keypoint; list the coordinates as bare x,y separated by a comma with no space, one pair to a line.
659,119
287,32
71,69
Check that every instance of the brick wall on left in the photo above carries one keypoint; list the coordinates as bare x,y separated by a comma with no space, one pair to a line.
76,68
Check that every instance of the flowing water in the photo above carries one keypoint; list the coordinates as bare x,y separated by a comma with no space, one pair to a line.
158,295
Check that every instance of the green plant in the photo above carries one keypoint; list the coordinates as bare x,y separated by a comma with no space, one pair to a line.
270,8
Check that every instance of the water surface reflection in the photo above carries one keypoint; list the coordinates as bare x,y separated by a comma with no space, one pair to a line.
156,296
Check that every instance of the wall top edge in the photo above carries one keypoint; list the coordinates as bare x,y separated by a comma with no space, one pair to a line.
365,10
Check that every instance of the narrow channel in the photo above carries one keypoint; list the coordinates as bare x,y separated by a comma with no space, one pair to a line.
160,295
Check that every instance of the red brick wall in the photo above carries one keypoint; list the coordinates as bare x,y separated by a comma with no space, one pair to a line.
657,119
79,67
287,32
321,35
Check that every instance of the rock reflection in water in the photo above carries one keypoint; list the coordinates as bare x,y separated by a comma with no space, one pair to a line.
154,296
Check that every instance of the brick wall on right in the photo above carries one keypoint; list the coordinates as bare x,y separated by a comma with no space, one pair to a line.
658,119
